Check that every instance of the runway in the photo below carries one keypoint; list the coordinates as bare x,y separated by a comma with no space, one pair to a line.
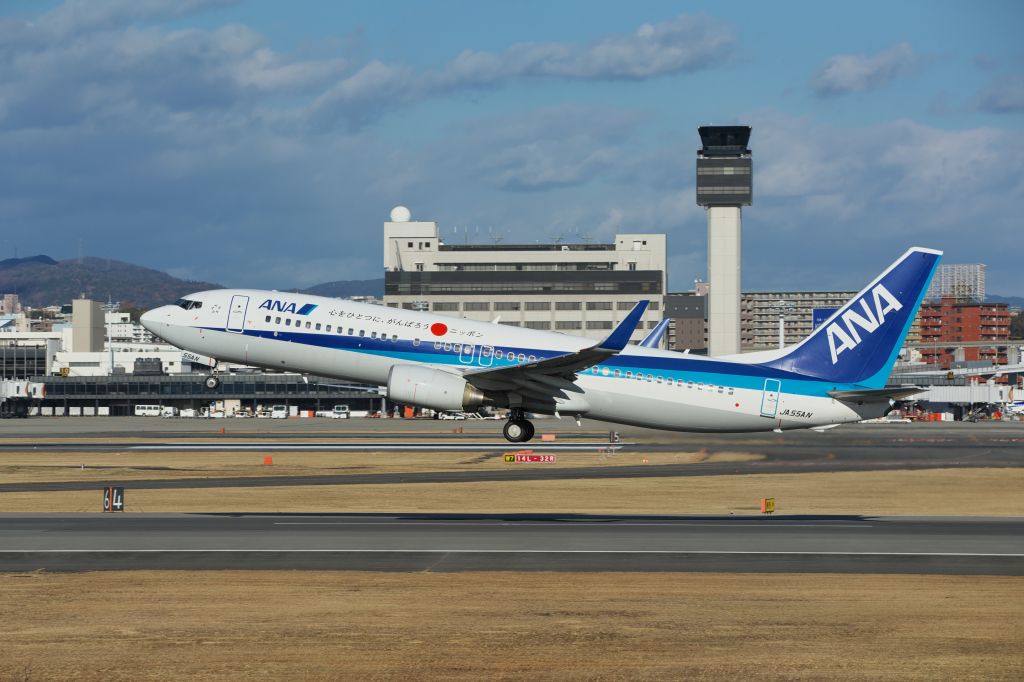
518,542
336,446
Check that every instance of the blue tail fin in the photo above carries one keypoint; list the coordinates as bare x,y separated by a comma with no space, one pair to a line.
859,343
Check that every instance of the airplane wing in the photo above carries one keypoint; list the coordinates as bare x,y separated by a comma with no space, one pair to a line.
654,337
541,378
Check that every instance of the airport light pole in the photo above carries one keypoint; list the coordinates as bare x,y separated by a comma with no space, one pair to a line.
783,308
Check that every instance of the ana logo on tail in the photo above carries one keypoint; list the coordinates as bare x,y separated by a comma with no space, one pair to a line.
848,338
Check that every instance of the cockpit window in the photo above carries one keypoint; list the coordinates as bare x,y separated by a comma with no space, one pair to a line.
187,304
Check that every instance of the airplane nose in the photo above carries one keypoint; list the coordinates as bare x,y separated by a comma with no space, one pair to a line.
157,318
148,318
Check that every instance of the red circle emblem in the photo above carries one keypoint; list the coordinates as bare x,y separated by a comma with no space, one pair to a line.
438,329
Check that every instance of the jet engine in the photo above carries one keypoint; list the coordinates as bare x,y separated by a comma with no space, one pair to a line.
433,388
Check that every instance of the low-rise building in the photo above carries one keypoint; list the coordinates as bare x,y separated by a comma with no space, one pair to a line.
957,330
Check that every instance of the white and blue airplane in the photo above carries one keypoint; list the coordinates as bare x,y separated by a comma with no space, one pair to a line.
836,375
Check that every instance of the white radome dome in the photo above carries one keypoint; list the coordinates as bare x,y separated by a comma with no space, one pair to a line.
400,214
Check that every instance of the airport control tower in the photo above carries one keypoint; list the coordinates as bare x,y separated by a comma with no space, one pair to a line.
724,185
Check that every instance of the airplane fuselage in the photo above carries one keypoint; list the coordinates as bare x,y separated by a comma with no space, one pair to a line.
361,342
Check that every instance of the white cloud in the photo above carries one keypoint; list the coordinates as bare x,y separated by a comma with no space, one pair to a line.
846,73
680,45
1004,96
186,149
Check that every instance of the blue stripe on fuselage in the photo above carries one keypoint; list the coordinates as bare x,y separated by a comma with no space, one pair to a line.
708,371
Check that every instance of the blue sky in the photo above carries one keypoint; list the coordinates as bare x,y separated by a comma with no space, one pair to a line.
263,143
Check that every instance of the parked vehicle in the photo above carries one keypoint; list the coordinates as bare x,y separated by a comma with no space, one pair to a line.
147,411
279,412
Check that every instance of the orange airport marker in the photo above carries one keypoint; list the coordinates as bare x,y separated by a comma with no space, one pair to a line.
267,459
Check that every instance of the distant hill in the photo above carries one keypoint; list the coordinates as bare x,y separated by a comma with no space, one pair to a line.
14,262
1014,301
41,281
346,288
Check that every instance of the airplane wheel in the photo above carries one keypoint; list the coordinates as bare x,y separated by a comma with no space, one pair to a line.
211,382
529,431
515,431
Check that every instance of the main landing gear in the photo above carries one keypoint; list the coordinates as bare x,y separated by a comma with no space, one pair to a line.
517,429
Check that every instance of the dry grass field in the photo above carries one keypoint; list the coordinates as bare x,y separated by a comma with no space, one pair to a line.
34,466
973,492
467,626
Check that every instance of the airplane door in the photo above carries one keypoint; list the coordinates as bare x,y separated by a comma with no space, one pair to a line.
486,356
236,314
466,353
770,398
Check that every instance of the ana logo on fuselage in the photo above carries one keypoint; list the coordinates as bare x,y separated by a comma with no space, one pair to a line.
846,336
284,307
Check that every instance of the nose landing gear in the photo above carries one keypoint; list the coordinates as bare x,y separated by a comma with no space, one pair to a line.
517,429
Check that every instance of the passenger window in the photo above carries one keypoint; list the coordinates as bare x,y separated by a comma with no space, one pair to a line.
309,325
415,342
618,373
362,332
700,387
730,390
287,321
437,345
689,384
351,331
318,327
721,389
328,328
373,335
456,348
532,358
522,357
277,320
605,372
629,375
650,377
394,338
447,347
268,318
485,353
499,354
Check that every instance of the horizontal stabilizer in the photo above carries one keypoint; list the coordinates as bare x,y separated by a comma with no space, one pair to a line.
877,395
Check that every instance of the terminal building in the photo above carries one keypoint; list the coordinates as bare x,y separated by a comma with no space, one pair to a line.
582,289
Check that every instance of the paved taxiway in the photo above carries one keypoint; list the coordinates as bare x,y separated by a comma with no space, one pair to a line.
417,542
867,447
